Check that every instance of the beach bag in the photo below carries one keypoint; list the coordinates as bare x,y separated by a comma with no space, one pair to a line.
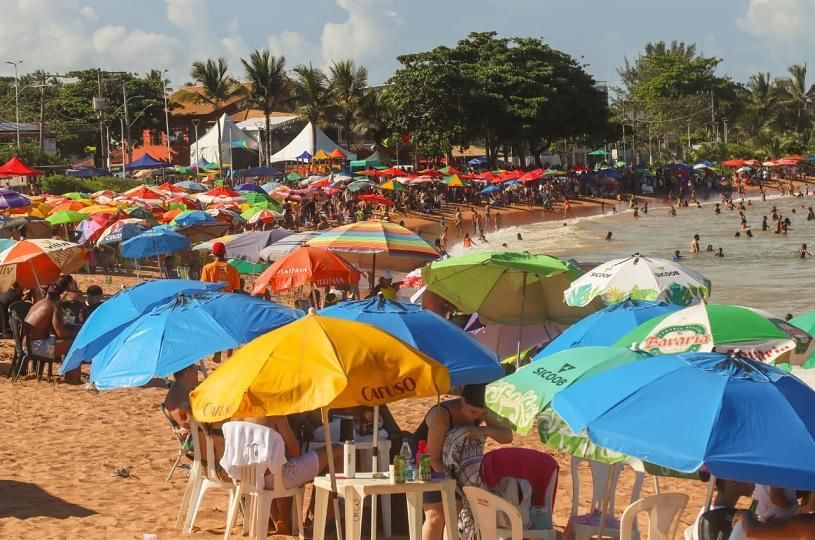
518,493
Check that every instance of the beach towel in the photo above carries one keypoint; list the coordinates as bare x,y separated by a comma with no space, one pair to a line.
246,444
462,461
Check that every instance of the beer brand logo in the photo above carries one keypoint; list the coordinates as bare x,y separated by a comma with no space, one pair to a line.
396,390
677,339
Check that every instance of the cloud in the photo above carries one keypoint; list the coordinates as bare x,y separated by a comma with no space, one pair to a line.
136,49
782,21
371,26
189,15
89,13
295,47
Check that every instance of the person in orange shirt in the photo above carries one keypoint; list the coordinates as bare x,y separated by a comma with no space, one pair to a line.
220,270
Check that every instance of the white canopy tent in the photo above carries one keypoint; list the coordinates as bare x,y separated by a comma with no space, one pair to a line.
231,137
303,143
254,126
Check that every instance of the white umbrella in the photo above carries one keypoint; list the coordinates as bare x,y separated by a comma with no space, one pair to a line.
744,169
638,278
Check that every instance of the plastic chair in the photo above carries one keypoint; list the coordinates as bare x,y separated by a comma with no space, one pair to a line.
256,513
600,478
539,468
203,477
486,506
19,360
663,513
182,437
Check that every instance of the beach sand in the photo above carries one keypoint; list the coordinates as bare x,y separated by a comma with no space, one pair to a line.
60,444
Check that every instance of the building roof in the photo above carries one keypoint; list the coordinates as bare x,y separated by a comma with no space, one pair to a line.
191,108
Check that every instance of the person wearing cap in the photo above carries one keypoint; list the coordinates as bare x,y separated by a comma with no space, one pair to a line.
221,271
469,410
385,286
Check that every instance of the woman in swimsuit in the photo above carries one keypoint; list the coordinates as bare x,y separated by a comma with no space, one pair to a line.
468,410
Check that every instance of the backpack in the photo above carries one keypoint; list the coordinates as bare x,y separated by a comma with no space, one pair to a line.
517,492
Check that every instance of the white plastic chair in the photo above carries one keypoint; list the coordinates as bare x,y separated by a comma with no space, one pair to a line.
599,479
663,514
202,478
485,508
182,436
256,513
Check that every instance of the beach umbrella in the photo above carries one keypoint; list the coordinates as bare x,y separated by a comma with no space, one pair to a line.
32,263
744,169
490,190
69,206
247,268
270,186
12,199
377,200
27,226
142,193
295,177
121,230
264,216
16,167
391,185
258,171
639,278
189,185
449,170
176,334
207,246
806,322
250,188
519,398
90,229
75,195
248,246
220,195
467,360
66,217
202,232
306,265
98,209
286,245
153,243
252,197
506,288
454,180
735,163
225,215
607,326
359,185
367,244
599,152
707,327
503,338
171,189
739,418
140,213
188,218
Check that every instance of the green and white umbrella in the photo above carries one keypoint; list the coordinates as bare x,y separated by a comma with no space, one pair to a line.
638,278
705,327
519,398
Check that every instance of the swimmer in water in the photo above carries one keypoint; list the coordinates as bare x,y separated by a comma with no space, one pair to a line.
677,256
636,211
737,235
672,211
709,247
749,233
810,214
803,253
764,225
694,244
717,209
608,235
719,253
519,238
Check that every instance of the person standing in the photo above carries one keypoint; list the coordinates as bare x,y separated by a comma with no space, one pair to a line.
221,271
694,244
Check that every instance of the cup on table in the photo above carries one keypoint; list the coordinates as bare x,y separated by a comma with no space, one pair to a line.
346,428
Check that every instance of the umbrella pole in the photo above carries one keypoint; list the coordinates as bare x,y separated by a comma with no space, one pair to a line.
709,496
611,472
373,274
375,469
521,326
33,271
331,472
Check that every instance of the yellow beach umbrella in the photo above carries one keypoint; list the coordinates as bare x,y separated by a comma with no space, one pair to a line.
98,209
317,363
321,155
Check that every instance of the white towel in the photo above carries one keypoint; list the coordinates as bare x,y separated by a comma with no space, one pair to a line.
247,444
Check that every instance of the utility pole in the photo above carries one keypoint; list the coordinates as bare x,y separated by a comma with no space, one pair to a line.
713,128
195,125
16,98
689,145
127,125
725,130
166,116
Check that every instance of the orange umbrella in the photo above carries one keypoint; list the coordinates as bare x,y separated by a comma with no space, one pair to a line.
69,206
337,154
32,263
167,217
307,265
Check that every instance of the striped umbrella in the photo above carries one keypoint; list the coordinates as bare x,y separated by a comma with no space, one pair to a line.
264,216
121,230
368,243
32,263
220,195
11,199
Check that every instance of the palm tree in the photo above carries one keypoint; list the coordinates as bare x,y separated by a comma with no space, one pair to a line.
348,85
270,86
796,93
217,88
310,87
763,97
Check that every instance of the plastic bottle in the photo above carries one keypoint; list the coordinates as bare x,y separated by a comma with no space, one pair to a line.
410,466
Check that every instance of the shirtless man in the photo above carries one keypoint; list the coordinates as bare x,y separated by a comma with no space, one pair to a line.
177,402
50,336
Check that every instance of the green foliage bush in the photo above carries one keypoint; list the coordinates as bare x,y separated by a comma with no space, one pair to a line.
59,184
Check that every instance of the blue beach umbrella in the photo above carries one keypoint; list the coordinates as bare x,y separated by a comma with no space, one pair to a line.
189,185
268,187
742,419
157,241
114,314
250,187
193,217
606,326
490,189
177,334
468,361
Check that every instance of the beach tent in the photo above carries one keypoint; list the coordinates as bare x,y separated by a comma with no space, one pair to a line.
232,137
16,167
377,159
147,162
303,143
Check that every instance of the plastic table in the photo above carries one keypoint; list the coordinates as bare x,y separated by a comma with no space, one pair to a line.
355,490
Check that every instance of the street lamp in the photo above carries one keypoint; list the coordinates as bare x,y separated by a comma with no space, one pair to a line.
166,116
16,97
195,125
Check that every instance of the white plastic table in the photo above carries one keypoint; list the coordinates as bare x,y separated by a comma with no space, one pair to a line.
355,490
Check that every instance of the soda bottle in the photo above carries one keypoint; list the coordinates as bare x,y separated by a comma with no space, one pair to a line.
407,454
399,469
425,470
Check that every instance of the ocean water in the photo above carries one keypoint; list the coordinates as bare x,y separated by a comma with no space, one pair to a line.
763,271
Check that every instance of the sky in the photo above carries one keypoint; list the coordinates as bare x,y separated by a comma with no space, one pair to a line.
60,35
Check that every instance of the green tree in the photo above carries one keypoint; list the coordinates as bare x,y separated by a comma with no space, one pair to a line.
797,94
348,85
217,87
270,87
311,94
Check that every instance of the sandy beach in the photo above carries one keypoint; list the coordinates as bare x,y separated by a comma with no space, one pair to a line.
61,444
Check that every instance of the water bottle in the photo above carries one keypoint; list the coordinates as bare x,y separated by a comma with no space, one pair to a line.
410,467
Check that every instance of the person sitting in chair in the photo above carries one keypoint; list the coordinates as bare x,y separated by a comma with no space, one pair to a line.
50,336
